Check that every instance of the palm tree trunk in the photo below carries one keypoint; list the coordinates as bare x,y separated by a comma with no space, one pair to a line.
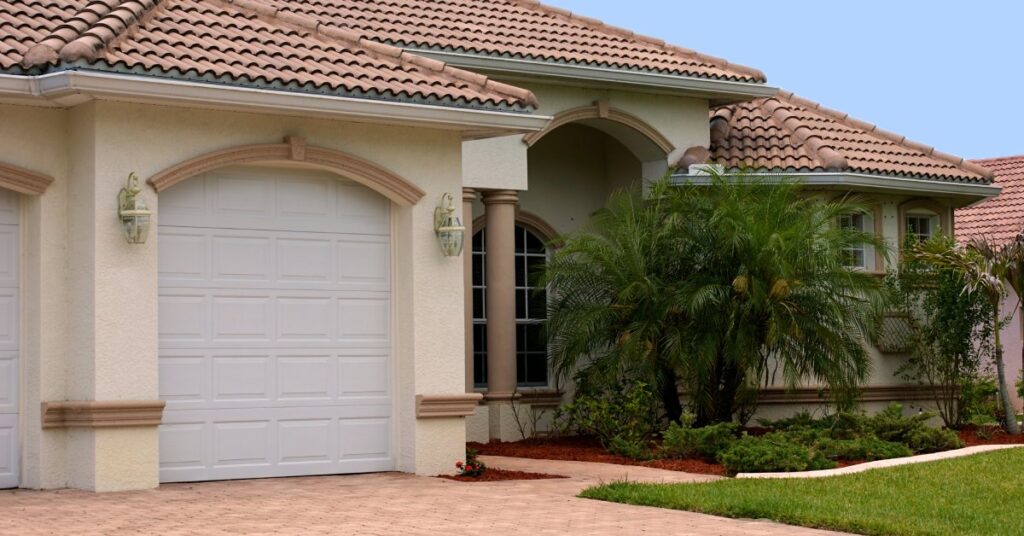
1010,420
670,395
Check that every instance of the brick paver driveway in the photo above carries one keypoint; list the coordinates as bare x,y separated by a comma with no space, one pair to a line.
381,504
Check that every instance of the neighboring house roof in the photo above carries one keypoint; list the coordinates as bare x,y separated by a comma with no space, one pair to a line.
786,133
1001,218
238,42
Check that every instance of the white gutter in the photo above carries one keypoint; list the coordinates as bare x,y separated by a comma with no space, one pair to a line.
860,180
68,88
586,75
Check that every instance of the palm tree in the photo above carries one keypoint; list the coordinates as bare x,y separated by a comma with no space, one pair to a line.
712,285
984,269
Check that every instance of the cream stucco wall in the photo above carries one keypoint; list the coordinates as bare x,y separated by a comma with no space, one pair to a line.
90,321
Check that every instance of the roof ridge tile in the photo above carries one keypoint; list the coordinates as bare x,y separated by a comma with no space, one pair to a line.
536,5
316,26
75,31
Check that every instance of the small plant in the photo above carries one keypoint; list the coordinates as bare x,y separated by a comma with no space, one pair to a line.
630,447
626,411
684,441
929,439
772,453
864,449
472,467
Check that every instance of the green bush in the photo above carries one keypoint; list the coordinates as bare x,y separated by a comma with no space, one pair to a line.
683,441
772,453
630,447
929,439
866,448
626,411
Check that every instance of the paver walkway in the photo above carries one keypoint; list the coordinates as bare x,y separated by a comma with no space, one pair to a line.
380,504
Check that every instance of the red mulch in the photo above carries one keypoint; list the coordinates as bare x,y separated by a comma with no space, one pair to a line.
499,475
969,435
585,449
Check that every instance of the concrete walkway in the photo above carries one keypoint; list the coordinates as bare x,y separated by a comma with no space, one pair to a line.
379,504
879,464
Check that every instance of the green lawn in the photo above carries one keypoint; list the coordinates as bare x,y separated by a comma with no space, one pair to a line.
981,494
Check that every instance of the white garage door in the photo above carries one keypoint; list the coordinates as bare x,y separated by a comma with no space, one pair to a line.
9,458
275,326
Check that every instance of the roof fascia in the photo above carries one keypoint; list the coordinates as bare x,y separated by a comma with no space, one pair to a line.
72,87
867,182
718,92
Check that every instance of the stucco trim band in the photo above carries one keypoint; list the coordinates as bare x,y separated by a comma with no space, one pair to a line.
811,395
441,406
22,180
295,150
102,414
602,110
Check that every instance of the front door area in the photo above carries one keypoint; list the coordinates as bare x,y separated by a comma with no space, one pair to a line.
275,326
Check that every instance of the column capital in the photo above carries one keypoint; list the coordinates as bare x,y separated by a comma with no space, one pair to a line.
500,197
468,195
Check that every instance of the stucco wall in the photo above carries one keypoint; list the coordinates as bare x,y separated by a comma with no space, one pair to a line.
110,315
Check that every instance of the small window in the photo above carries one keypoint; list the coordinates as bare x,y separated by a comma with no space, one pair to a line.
921,227
861,255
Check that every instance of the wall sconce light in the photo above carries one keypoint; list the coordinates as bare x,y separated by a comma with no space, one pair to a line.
133,211
449,229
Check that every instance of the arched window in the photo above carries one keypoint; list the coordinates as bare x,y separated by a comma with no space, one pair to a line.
531,310
921,219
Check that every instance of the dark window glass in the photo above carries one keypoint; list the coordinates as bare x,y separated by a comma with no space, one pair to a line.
531,309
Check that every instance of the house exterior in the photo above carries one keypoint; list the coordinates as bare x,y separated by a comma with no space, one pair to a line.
1001,220
291,311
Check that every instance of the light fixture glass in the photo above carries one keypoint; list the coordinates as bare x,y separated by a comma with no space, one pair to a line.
133,211
449,229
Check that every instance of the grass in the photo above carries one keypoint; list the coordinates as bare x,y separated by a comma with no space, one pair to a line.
978,494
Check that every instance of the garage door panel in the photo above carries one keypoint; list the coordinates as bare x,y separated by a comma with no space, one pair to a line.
8,319
275,326
8,263
212,258
258,443
9,382
9,456
276,199
256,318
238,378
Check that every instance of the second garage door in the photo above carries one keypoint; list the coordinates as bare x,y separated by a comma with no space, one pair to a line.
275,338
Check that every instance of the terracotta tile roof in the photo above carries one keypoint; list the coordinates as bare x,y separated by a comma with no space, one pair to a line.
523,29
1000,218
232,41
786,133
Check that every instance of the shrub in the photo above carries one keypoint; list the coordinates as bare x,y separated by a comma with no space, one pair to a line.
624,411
772,453
630,447
866,448
929,439
683,441
473,467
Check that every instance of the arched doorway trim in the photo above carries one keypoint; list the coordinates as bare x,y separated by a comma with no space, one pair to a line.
295,150
602,110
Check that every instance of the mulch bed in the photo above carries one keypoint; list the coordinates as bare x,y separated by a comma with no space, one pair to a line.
585,449
969,435
500,475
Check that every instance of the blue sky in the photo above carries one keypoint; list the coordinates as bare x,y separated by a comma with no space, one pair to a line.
945,73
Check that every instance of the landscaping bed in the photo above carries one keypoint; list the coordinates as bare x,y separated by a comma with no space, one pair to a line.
973,435
951,497
501,475
587,449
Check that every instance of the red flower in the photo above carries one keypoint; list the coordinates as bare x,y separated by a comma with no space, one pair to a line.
458,465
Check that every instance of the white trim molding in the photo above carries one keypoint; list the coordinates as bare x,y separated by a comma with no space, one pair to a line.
69,88
879,183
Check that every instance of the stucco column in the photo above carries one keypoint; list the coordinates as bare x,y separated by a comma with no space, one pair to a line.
468,196
501,292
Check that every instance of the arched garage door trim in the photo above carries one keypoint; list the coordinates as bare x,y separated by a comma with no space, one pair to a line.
22,180
295,150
